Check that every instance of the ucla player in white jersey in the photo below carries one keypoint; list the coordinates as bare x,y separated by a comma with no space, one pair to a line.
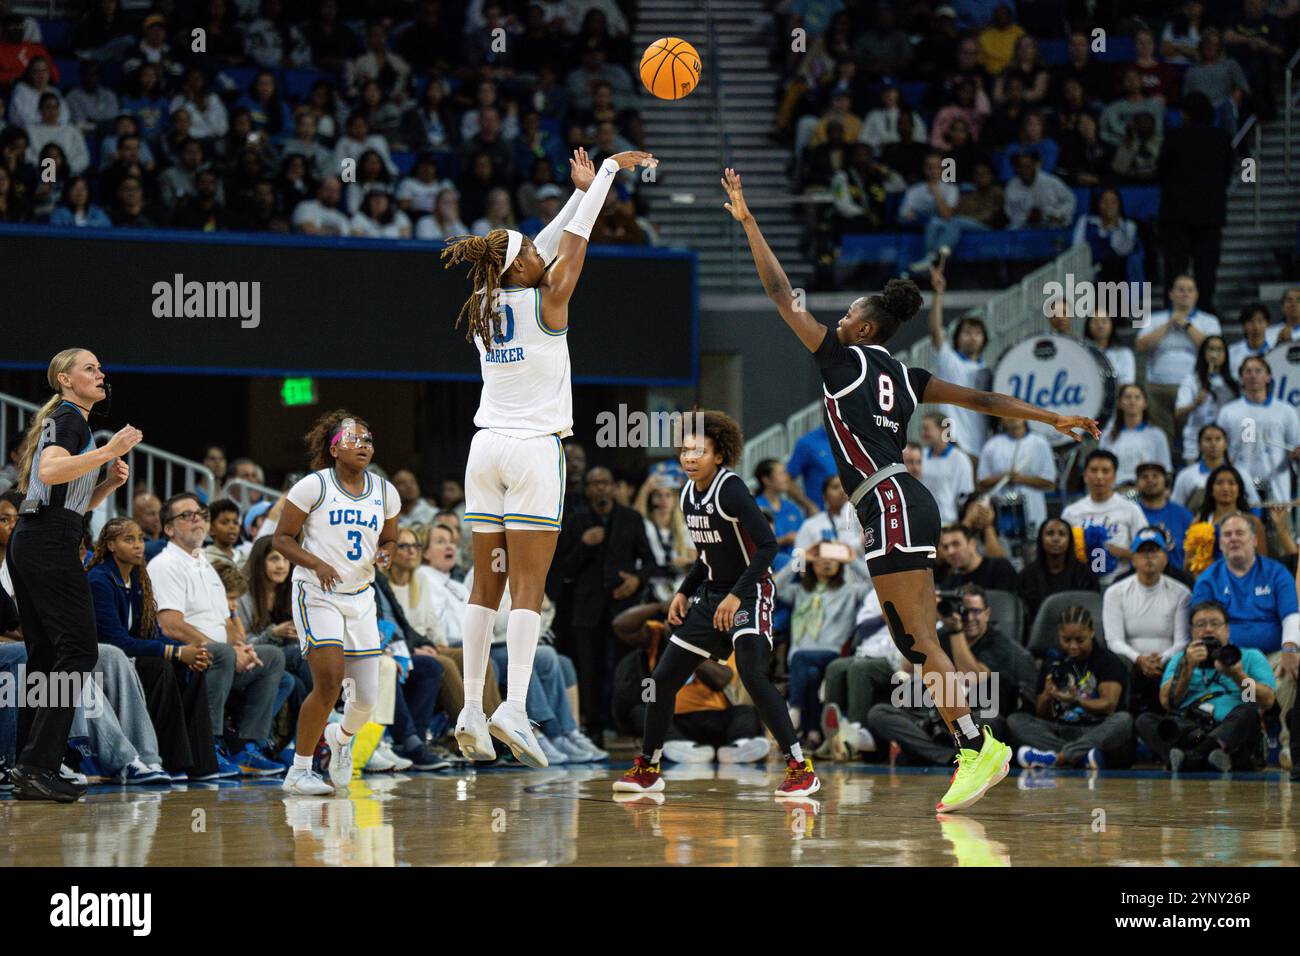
348,520
517,316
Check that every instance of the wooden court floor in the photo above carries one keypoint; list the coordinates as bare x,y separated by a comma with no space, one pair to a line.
706,816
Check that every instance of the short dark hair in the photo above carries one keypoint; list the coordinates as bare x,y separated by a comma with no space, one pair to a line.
1102,453
955,528
166,512
974,590
763,470
833,476
1208,606
222,506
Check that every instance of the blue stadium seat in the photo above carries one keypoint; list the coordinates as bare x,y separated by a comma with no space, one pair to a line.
1055,51
448,165
1020,245
56,35
296,84
241,77
69,72
404,160
1141,203
1173,118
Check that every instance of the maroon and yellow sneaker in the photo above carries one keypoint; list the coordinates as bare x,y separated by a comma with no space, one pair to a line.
642,778
800,780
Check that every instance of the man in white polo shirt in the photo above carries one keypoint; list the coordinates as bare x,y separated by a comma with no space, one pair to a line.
192,607
944,469
1171,338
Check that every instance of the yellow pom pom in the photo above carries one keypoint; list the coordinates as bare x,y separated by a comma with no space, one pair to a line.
1198,547
1078,545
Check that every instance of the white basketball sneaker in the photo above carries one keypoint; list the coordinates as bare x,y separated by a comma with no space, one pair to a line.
340,756
510,726
472,735
305,783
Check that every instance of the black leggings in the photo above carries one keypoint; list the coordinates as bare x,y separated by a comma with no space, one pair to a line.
676,665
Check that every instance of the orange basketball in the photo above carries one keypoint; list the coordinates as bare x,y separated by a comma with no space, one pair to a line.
670,68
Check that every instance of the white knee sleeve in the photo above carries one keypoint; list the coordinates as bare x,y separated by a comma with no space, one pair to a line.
360,692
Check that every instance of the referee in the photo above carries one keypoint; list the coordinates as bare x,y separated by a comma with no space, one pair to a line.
58,471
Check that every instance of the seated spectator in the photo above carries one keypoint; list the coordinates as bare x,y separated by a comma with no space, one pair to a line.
1169,516
966,565
881,125
383,115
1080,67
883,47
706,724
965,155
171,673
1109,521
104,32
1181,37
665,527
25,100
1024,459
266,614
821,162
321,216
208,118
969,107
356,141
76,209
1224,496
262,213
1002,126
1144,616
548,202
1030,139
379,64
1136,159
1160,81
825,606
932,203
1219,78
203,210
379,218
444,580
1190,485
1077,718
907,156
415,509
617,222
324,106
445,220
12,208
945,469
1208,720
1118,119
129,160
272,42
193,609
1037,199
1173,336
594,68
1131,437
295,184
999,40
417,193
1254,37
180,180
1263,431
432,124
129,210
838,522
1109,236
1204,393
1099,330
427,45
1258,336
304,142
978,649
225,528
497,214
1055,568
332,42
1085,159
859,192
840,111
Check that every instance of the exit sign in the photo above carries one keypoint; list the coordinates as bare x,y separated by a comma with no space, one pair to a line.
298,391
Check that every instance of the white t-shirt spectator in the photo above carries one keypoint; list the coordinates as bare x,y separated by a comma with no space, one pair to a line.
428,228
844,527
422,513
1193,478
968,426
320,216
1174,357
918,201
1239,351
25,105
1139,620
1048,194
1203,414
208,119
449,599
190,584
1133,446
881,128
420,195
1124,364
353,149
948,476
1255,433
1028,455
68,138
423,615
1120,517
399,228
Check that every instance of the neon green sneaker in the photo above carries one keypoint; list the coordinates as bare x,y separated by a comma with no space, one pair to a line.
976,773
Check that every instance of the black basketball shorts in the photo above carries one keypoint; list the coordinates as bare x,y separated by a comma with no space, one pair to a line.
697,633
900,526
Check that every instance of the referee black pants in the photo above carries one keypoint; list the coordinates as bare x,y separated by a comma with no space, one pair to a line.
58,622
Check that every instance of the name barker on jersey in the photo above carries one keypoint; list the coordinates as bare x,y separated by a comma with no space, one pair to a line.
504,356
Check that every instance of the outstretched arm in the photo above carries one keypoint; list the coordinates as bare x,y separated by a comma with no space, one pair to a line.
775,283
1004,406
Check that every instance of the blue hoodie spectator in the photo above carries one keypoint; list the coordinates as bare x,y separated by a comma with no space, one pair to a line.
118,610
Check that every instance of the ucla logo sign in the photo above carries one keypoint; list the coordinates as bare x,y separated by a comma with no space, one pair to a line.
1060,374
353,516
1284,362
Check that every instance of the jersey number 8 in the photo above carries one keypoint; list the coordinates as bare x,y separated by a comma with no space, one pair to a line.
885,392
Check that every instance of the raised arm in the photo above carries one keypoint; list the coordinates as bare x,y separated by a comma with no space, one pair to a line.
939,284
1004,406
775,283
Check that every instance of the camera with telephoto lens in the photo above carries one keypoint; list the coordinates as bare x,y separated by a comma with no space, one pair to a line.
949,603
1215,650
1058,668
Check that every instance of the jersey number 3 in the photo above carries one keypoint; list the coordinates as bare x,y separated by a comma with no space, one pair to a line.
354,553
885,392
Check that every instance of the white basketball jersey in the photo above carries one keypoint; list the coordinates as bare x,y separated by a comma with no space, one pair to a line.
341,529
527,389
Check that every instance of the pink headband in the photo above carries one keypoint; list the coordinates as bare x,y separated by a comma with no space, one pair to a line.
335,440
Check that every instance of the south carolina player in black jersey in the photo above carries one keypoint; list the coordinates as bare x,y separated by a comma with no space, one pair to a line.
868,397
724,604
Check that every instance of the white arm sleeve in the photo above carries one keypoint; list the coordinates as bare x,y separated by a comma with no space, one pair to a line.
593,201
548,240
1291,629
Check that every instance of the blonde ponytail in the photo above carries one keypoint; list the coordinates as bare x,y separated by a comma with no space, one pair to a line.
61,364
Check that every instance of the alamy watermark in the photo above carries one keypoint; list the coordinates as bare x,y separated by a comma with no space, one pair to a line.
20,688
179,299
626,428
979,691
1119,300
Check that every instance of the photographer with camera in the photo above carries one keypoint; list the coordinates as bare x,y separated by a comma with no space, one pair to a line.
1214,693
1259,596
1077,717
981,653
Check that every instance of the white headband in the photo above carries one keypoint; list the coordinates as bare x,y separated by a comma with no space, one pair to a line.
514,240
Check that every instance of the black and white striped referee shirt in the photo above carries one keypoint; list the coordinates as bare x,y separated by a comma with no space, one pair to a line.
67,429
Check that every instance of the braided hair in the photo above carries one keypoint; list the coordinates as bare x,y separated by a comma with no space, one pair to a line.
487,257
114,529
1076,614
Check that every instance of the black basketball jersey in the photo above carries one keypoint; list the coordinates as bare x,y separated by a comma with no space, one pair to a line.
733,540
868,399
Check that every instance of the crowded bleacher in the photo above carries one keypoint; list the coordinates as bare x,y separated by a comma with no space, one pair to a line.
379,120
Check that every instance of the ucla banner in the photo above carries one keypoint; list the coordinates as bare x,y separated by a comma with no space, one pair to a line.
1284,362
232,303
1061,374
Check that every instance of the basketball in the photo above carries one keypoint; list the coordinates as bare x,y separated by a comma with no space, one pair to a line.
670,68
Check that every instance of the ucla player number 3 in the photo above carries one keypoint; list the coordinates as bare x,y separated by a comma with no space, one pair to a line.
354,553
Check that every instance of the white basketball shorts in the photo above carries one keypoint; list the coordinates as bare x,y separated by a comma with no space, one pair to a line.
514,483
331,619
